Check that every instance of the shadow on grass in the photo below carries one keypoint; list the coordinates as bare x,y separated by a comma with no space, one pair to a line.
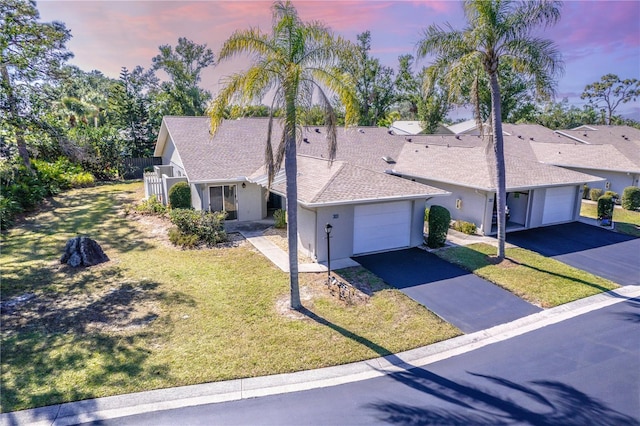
472,260
59,348
497,402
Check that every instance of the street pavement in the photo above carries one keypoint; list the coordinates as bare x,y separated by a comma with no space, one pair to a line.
593,249
458,296
582,371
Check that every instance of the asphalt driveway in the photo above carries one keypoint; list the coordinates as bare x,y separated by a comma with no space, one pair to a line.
459,297
593,249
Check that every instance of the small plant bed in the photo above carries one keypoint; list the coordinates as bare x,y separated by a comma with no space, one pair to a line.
542,281
625,221
157,316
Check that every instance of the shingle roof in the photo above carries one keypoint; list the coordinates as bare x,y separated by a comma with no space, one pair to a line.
625,139
474,167
321,182
596,157
236,150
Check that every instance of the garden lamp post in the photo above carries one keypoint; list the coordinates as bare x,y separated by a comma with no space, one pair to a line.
327,230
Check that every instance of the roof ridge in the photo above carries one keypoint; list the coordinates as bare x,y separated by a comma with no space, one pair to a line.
326,185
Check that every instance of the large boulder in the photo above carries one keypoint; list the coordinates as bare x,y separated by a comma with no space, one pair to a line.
83,251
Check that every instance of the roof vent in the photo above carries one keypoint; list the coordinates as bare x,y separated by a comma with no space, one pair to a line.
520,137
317,130
361,130
426,146
305,140
585,135
388,159
624,136
390,132
530,139
407,139
447,145
457,137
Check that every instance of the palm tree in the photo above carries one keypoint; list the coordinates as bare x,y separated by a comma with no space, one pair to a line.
297,64
497,32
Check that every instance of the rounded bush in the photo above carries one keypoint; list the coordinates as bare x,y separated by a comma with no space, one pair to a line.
631,198
595,193
465,227
605,207
439,219
180,196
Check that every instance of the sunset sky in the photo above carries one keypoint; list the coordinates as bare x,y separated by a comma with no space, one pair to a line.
595,37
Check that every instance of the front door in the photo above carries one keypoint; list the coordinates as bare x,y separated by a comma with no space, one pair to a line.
223,199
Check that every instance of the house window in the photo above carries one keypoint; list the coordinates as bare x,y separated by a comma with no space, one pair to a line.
223,198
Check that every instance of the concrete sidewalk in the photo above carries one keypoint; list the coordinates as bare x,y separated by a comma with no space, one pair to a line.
165,399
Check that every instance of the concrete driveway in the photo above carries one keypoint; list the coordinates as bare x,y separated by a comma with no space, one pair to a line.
593,249
459,297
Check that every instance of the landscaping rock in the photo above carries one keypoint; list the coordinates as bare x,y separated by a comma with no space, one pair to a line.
83,251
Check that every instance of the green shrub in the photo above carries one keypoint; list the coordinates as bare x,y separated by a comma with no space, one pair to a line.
82,180
280,218
439,219
631,198
605,207
9,208
585,192
465,227
426,215
179,238
180,196
151,206
614,196
595,193
208,226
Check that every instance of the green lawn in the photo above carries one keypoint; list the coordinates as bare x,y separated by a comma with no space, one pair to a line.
156,316
538,279
625,221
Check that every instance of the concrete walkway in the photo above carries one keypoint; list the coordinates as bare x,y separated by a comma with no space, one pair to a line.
254,233
186,396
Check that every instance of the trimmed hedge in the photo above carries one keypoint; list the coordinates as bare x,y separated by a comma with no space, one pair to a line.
464,227
180,196
595,193
439,219
280,218
605,207
631,198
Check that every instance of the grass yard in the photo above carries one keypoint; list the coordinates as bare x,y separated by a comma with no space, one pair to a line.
625,221
155,316
540,280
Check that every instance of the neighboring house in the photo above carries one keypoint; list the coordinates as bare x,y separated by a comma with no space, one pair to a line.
413,127
374,192
611,152
370,210
537,194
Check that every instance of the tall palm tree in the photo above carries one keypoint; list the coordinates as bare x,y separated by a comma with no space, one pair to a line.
297,64
497,32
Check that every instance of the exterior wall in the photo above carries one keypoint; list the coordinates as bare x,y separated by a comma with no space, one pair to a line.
170,156
164,170
617,181
473,207
417,223
196,196
307,232
341,235
168,182
537,207
249,200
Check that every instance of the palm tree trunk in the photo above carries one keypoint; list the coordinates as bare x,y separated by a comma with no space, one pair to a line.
498,147
291,171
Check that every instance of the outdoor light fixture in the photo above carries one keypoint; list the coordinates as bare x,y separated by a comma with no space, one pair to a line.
327,230
244,185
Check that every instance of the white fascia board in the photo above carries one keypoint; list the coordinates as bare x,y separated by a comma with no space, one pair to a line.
375,200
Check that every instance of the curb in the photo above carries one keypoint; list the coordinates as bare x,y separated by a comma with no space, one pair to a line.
233,390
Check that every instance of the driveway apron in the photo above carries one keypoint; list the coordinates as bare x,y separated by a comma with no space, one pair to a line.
596,250
459,297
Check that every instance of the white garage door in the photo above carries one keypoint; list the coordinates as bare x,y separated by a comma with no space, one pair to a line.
380,227
558,205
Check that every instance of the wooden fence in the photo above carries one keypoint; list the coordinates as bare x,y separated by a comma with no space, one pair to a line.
134,167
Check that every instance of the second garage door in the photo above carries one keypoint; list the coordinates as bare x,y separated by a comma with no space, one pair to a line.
558,205
379,227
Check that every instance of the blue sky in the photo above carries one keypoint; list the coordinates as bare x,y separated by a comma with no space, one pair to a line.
595,37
